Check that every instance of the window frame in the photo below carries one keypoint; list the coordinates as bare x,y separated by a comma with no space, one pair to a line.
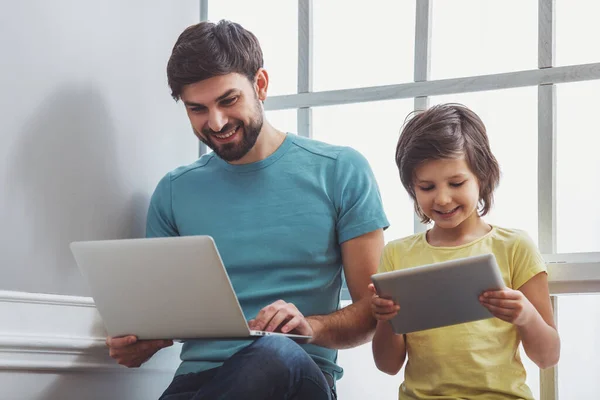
568,273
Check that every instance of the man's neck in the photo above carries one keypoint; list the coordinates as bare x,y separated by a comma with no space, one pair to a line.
267,143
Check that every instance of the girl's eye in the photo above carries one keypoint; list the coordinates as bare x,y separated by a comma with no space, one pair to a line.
457,184
426,189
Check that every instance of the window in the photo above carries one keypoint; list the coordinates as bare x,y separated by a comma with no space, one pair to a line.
278,36
284,120
577,168
473,37
357,45
576,26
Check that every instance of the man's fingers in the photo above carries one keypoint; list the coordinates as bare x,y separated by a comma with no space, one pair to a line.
292,324
265,315
142,347
120,342
280,317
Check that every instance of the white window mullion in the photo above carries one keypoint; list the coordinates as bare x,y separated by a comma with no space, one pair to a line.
305,63
202,149
547,165
422,67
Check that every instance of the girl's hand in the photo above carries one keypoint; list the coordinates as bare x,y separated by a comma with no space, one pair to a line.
509,305
382,309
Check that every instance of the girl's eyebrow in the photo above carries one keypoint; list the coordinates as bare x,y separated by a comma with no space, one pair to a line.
461,176
458,176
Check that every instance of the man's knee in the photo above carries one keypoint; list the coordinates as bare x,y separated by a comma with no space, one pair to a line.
278,348
275,367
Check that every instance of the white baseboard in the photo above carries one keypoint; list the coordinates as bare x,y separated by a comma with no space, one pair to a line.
45,332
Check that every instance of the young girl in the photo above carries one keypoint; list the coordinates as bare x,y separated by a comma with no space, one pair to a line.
447,167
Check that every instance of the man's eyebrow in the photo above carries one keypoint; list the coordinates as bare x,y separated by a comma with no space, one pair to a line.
221,97
226,94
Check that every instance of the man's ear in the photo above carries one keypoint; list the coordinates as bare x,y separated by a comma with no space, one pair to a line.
261,84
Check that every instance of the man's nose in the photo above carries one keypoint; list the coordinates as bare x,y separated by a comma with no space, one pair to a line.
216,120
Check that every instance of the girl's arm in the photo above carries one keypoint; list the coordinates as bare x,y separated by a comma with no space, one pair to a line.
539,336
389,349
529,308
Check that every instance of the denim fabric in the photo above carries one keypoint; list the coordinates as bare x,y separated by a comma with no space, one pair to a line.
273,367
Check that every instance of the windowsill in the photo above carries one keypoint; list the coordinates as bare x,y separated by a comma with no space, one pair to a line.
573,273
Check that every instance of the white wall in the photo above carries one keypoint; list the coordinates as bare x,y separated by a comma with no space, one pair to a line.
87,128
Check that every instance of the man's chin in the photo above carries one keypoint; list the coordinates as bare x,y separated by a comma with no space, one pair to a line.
230,154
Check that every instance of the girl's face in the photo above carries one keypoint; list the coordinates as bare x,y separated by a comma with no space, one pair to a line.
447,191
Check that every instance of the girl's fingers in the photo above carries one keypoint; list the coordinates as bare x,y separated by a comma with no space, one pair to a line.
498,311
510,304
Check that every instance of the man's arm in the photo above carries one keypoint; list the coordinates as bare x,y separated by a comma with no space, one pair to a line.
352,325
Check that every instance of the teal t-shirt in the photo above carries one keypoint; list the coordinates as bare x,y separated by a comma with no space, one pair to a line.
278,224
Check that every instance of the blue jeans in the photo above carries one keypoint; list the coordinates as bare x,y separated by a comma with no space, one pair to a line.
273,367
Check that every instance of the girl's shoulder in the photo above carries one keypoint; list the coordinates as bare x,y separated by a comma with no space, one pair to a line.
407,241
405,244
510,237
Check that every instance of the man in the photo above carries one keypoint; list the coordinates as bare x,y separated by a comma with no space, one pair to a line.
287,214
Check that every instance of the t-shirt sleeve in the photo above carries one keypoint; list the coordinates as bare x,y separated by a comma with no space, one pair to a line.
160,221
356,196
527,261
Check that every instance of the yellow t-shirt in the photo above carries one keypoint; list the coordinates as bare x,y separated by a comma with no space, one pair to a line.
475,360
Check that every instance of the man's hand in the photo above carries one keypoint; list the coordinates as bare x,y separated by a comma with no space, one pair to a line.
131,352
382,309
509,305
281,317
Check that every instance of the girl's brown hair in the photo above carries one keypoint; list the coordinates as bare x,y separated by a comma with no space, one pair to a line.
447,131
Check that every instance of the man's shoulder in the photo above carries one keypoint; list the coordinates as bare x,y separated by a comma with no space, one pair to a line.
198,166
311,147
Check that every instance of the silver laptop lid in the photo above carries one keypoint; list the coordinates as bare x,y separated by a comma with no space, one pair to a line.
161,288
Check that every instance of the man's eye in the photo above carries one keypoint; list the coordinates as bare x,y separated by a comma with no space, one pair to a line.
229,101
196,109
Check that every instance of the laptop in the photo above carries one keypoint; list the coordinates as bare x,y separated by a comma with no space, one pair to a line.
164,288
440,294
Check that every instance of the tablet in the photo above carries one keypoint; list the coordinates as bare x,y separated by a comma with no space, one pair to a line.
440,294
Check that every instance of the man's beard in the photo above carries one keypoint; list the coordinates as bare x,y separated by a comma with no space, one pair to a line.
235,151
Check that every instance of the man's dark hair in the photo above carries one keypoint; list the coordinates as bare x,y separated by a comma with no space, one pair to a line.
207,49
